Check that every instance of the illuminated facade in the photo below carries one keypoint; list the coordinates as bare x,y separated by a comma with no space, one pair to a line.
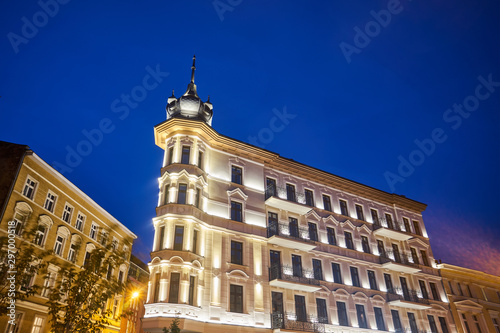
249,241
34,196
474,298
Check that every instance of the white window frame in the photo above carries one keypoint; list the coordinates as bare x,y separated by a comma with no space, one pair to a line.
65,212
32,186
80,218
94,228
50,200
59,245
38,328
16,328
50,280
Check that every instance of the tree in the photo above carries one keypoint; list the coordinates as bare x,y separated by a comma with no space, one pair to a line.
18,267
174,327
78,301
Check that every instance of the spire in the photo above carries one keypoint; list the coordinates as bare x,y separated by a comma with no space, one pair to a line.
193,68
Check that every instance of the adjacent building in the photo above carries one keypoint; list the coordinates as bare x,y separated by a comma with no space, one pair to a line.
52,213
249,241
135,296
474,298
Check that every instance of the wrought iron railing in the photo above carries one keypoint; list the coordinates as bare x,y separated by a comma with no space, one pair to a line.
393,225
288,273
400,258
286,230
289,321
282,193
405,295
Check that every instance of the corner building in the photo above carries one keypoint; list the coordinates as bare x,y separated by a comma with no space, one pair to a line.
249,241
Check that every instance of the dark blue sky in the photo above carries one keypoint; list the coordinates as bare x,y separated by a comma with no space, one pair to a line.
364,80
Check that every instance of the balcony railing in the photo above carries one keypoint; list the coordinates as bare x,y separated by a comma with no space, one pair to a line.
286,273
289,321
393,225
282,193
398,294
285,230
400,258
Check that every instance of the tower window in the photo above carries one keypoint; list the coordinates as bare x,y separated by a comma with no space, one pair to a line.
181,197
236,175
178,237
170,155
185,154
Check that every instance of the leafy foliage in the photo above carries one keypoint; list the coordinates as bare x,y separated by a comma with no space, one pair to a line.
78,301
174,327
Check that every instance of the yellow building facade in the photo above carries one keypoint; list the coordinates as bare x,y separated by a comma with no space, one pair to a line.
474,298
64,220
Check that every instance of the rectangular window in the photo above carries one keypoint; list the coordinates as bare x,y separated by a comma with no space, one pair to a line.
237,253
414,255
413,322
68,210
293,227
434,292
330,233
416,226
348,240
80,220
110,272
466,323
432,324
423,289
359,212
49,284
178,237
379,318
58,245
476,322
272,224
191,290
372,279
162,238
309,198
322,311
290,193
296,265
236,211
375,219
388,219
360,311
406,223
50,202
342,314
343,207
270,188
72,252
236,175
173,293
300,308
365,244
396,321
388,283
317,269
313,231
197,199
19,219
327,203
170,155
495,323
451,288
29,188
37,325
425,260
355,277
181,196
395,250
40,235
236,298
381,248
120,276
156,296
337,273
460,289
185,154
444,326
195,241
200,160
115,307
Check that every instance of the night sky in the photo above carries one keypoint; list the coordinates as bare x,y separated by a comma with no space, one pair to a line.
401,96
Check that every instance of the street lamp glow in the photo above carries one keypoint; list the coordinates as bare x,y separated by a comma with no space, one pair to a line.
135,294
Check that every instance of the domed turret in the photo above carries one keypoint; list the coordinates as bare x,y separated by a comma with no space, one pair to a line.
190,104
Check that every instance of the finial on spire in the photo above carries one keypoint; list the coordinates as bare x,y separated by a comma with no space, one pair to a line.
193,68
208,100
173,95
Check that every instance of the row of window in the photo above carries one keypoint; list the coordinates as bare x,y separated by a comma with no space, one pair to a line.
178,239
185,156
291,195
174,287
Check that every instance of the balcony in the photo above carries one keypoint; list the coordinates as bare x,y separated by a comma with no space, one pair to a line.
288,321
282,234
283,276
393,230
407,299
294,202
398,262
